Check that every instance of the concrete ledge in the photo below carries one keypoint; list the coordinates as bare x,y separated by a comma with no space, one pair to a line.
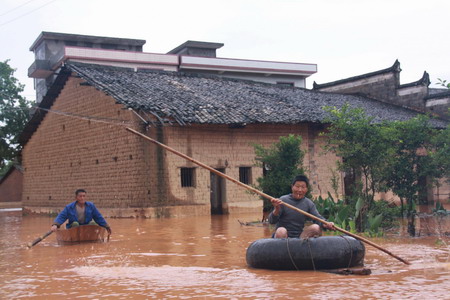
245,207
11,204
159,212
145,212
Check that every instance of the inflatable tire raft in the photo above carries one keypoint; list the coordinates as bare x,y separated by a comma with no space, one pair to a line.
321,253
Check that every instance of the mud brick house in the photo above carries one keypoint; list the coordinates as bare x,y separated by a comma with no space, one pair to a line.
209,109
11,187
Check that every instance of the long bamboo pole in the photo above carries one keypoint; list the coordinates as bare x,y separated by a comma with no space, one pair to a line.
256,191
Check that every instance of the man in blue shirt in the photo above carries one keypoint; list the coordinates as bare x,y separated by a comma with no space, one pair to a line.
80,212
290,223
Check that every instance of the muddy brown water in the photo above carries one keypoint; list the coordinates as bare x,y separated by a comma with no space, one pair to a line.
201,258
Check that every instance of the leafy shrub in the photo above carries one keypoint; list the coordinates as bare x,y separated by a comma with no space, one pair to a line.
381,215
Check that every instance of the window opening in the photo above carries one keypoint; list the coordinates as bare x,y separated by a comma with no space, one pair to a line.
187,177
245,175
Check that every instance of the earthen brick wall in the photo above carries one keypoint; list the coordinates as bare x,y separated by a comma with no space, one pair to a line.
83,144
231,148
68,152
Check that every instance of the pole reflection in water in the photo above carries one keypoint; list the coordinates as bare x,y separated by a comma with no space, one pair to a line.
199,257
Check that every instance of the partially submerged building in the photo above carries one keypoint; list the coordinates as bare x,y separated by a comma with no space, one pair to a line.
11,187
210,109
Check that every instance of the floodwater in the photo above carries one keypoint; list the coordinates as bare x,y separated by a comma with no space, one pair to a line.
201,258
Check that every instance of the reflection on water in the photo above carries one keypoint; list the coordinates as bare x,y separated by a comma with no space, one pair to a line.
200,257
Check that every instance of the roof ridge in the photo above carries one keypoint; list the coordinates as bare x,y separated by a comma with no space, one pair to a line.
394,68
439,95
425,80
68,64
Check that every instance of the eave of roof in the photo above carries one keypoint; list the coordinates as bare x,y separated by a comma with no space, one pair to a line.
46,103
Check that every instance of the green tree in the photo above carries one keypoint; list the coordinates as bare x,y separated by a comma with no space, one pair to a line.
412,164
406,157
14,114
441,155
365,149
281,162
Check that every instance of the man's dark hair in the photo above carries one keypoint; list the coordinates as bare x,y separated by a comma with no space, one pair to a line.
301,178
79,191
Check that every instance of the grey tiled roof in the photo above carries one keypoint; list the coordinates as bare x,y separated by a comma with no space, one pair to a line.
201,99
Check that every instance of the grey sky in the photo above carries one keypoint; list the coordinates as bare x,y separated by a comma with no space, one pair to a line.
343,37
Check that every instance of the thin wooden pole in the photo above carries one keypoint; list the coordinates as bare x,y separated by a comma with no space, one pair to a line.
256,191
348,233
31,244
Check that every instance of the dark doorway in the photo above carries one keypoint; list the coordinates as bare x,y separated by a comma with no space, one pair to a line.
217,192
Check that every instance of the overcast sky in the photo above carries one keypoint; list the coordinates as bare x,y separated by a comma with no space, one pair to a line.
343,37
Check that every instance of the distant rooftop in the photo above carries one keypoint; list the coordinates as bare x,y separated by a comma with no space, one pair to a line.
438,91
45,35
394,68
52,50
196,48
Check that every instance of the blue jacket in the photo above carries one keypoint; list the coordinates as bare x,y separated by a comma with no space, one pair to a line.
70,212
